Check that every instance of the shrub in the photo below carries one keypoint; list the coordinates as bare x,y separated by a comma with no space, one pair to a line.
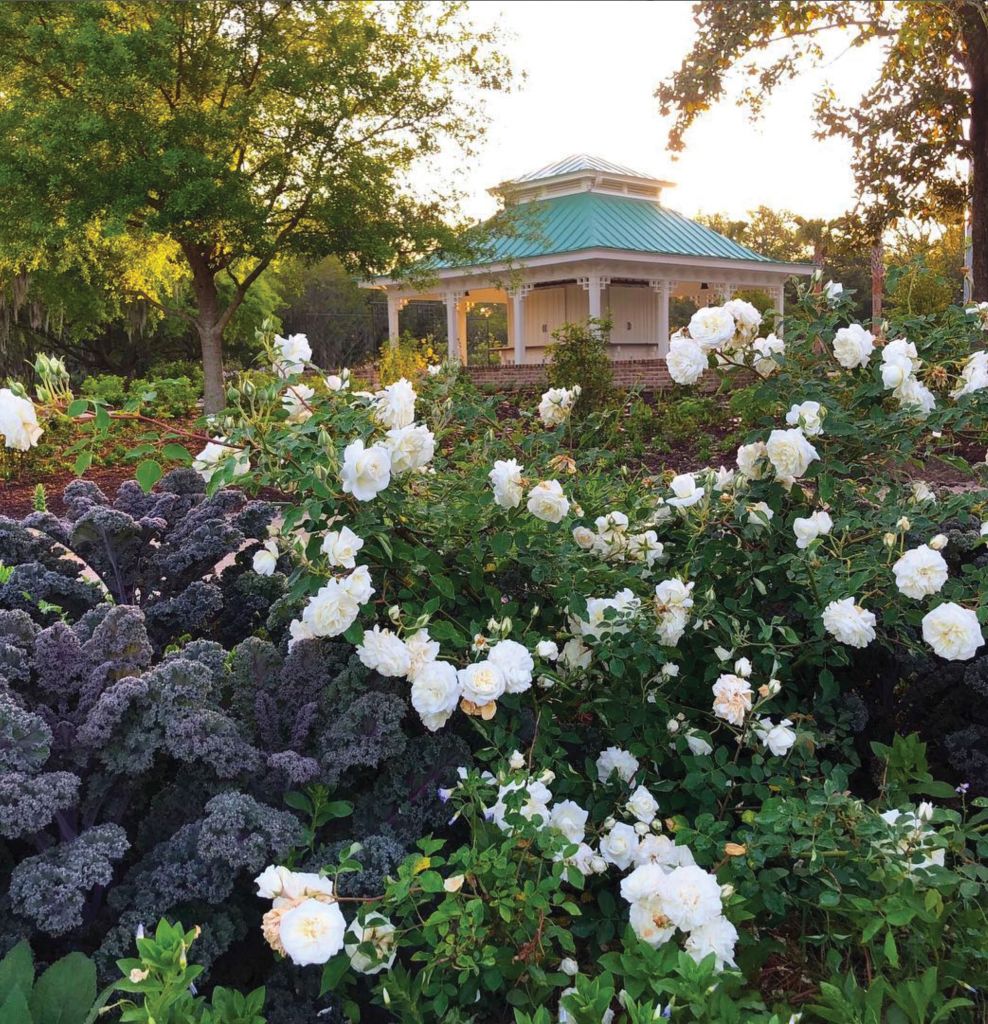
167,397
105,387
580,355
408,358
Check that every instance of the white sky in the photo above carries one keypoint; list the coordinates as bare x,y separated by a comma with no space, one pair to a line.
592,68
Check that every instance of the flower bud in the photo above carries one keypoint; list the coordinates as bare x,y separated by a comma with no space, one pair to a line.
454,883
598,865
569,966
609,823
889,540
672,726
516,761
939,542
641,828
726,891
735,849
903,524
394,614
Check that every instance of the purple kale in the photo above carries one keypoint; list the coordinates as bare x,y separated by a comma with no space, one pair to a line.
28,803
25,739
245,834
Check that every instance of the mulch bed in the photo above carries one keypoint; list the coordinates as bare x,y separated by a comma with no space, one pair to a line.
17,496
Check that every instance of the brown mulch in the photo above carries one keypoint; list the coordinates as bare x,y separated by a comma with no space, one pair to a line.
17,496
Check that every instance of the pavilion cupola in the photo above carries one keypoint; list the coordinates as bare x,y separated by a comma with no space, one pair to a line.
580,173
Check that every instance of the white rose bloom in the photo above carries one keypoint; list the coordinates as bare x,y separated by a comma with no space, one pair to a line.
516,664
411,448
752,460
984,529
920,572
618,846
685,490
214,455
719,937
809,416
689,896
699,747
583,860
570,818
722,479
915,397
614,759
673,595
953,632
482,682
380,933
584,537
536,802
938,542
743,668
663,851
645,547
760,515
548,650
853,346
833,290
764,351
296,401
642,885
291,354
435,693
686,361
266,558
649,924
670,669
312,932
547,502
505,480
899,360
917,839
711,326
366,471
922,492
394,406
643,805
575,654
779,739
358,585
341,547
422,650
598,622
790,453
557,405
331,611
974,376
338,381
849,622
19,422
569,966
744,314
671,627
807,530
732,698
384,652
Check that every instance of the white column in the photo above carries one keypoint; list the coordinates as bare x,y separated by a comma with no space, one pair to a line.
394,305
452,326
779,302
518,320
726,292
461,330
594,285
663,290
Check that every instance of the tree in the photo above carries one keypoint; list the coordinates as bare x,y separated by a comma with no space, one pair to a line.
236,133
907,130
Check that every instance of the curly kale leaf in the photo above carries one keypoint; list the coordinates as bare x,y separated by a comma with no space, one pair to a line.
28,803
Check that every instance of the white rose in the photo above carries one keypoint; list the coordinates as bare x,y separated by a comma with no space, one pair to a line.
807,530
790,453
548,650
690,897
19,422
394,406
584,537
296,401
384,652
698,745
422,650
742,667
515,663
974,376
660,850
809,416
618,847
732,698
331,611
535,804
649,925
435,693
338,381
576,655
711,326
411,448
833,290
614,759
723,479
953,632
482,682
673,595
743,313
341,547
849,622
643,805
505,480
366,471
915,397
752,460
760,515
685,490
569,818
291,354
547,502
765,350
312,932
569,966
686,361
645,547
266,558
212,457
380,933
719,937
557,405
358,585
779,739
853,346
920,572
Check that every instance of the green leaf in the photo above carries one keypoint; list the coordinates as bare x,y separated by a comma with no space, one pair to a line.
65,991
16,971
77,408
148,473
178,453
15,1009
83,461
333,972
891,950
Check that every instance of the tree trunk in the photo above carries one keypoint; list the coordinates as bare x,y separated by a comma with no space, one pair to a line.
877,284
209,323
975,36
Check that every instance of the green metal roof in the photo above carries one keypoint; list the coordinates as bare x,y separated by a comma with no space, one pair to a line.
578,162
595,220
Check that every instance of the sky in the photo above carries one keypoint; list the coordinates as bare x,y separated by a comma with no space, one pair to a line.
592,67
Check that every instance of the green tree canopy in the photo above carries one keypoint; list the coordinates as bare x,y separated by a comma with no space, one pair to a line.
908,130
219,136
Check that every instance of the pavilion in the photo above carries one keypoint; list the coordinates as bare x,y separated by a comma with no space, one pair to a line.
596,241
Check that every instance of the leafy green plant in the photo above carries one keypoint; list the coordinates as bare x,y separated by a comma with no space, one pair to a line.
579,355
167,397
65,993
105,387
